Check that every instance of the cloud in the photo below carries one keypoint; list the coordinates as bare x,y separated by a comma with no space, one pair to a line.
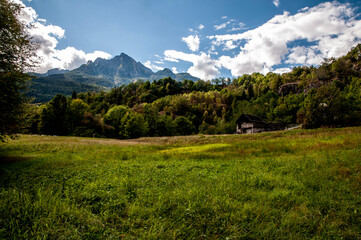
282,70
201,26
233,24
221,26
304,55
258,55
174,70
229,45
237,27
169,59
276,3
46,36
203,66
192,42
327,30
152,66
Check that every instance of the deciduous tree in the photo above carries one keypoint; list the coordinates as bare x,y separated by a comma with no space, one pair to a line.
16,50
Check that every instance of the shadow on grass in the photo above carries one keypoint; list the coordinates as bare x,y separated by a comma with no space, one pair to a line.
6,160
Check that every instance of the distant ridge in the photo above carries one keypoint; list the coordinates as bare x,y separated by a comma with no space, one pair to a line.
166,72
121,69
53,71
97,75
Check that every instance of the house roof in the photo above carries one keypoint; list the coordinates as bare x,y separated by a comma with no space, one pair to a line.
249,118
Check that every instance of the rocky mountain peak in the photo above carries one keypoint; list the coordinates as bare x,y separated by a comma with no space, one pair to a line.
166,71
121,69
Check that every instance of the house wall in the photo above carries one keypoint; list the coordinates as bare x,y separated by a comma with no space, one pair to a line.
248,128
255,130
239,129
247,125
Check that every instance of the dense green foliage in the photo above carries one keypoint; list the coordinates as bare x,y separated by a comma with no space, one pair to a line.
302,184
329,95
16,51
43,89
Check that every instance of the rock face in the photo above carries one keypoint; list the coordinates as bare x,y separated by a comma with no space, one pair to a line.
119,70
98,75
166,72
289,87
182,76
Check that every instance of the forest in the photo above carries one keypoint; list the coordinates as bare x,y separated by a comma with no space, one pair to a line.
326,96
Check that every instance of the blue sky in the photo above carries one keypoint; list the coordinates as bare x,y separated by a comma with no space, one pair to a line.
213,38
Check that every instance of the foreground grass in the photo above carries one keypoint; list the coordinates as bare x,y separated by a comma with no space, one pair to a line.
291,185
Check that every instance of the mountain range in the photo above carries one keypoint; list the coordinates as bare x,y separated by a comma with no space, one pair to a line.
96,75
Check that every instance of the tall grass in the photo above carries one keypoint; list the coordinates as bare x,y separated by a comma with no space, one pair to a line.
291,185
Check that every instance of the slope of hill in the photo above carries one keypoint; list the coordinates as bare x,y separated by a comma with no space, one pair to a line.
43,89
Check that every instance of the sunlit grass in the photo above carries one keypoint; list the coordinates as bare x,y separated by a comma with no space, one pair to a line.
293,185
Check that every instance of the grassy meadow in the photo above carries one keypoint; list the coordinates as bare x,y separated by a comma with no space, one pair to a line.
297,184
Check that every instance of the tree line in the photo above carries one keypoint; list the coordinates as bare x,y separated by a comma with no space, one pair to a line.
327,96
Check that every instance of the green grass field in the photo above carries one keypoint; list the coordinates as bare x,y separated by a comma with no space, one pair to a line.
284,185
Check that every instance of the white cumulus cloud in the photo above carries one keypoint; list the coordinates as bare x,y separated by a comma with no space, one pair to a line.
203,66
152,66
192,42
46,36
304,55
229,45
327,30
282,70
174,70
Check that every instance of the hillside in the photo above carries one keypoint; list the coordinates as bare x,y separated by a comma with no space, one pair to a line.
43,89
93,76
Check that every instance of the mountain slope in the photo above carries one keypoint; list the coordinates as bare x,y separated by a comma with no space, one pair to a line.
119,70
96,75
166,72
182,76
43,89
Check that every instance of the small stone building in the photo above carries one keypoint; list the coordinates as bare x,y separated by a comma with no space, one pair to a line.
247,123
